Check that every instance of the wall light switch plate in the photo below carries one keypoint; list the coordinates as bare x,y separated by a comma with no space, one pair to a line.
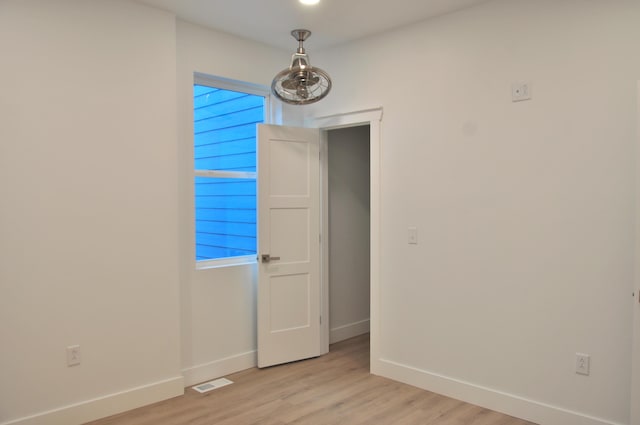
73,355
413,235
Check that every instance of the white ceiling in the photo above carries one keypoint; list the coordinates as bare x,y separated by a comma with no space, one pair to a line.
331,22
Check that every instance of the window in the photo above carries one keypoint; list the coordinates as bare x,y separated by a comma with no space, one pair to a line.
224,122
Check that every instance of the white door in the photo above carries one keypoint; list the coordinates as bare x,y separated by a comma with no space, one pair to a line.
288,244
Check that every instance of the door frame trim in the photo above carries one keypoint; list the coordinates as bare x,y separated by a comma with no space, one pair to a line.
373,118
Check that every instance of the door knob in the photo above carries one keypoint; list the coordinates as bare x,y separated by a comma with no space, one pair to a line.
266,258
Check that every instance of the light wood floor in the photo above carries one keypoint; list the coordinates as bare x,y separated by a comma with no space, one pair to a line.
333,389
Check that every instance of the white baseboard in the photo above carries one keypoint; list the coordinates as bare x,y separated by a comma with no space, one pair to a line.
102,407
520,407
349,331
217,368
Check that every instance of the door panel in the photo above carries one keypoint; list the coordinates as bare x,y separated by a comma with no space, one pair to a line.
289,166
293,249
289,302
289,229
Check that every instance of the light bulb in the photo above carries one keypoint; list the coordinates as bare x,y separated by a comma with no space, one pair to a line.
309,2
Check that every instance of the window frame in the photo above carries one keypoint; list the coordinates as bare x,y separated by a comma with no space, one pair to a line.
242,87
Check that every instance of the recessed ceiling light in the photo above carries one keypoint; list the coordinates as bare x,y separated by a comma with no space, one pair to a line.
309,1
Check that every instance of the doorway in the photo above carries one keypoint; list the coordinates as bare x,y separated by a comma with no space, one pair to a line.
372,118
349,187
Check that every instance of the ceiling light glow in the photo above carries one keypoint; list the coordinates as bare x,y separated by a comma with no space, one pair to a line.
309,2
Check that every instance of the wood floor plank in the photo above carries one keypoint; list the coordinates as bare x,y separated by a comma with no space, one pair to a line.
332,389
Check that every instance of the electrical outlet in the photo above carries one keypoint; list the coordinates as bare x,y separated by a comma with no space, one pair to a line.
583,363
520,92
73,355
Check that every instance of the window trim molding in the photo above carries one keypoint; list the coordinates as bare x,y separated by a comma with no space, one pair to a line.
233,85
226,174
226,262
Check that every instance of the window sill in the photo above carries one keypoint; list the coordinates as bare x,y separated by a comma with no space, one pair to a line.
226,262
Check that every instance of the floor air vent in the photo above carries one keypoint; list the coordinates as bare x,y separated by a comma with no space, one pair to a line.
212,385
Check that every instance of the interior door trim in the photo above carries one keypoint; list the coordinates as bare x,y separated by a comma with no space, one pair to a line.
373,118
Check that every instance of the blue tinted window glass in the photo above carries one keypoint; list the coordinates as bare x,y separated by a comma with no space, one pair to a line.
225,217
224,128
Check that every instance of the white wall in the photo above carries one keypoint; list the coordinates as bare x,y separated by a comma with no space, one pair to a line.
88,223
349,222
525,211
